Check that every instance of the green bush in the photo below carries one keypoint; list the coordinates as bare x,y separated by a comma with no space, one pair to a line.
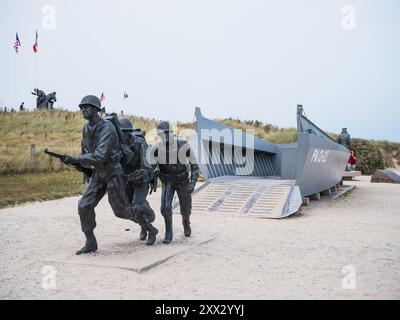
369,155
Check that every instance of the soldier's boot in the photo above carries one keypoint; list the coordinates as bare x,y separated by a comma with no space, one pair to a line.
143,234
90,245
146,225
187,230
168,229
152,235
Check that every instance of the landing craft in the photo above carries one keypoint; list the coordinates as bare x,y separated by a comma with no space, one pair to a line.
249,176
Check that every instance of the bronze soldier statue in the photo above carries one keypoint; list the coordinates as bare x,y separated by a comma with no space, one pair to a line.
140,172
102,152
44,101
344,138
175,159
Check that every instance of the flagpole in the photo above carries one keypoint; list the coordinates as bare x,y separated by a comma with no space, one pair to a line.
36,58
15,80
36,76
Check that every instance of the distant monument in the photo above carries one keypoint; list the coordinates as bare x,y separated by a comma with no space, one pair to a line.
44,101
344,138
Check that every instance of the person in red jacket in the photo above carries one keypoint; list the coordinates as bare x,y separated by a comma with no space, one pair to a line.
352,163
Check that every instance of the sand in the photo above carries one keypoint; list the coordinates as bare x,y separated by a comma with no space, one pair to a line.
300,257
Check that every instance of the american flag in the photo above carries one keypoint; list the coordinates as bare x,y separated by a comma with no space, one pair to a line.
35,46
17,43
102,98
125,95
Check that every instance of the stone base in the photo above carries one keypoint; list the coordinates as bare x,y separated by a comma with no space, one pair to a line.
135,256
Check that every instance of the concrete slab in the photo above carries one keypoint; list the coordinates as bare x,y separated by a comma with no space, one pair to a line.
135,256
349,175
305,201
341,191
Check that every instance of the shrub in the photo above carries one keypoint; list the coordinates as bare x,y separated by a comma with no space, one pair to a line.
369,155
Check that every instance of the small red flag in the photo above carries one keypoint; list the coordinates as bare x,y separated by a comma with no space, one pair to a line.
35,46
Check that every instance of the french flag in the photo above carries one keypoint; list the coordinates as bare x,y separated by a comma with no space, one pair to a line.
35,46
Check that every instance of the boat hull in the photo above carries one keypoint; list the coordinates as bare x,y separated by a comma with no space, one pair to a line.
320,164
315,161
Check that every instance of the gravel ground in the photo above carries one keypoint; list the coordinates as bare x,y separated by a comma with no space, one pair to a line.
301,257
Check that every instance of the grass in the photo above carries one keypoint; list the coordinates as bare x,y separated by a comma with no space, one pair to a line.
267,131
59,131
17,189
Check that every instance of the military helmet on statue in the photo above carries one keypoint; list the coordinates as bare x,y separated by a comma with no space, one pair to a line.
164,126
126,125
92,101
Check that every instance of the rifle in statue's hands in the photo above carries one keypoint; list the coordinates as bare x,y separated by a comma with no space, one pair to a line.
65,159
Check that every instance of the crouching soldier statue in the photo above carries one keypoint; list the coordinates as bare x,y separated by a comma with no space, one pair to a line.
174,159
139,171
102,152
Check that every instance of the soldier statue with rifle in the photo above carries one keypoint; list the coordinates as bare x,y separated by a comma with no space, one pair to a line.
175,160
103,149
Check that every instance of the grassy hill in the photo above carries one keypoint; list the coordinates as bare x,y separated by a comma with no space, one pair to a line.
61,131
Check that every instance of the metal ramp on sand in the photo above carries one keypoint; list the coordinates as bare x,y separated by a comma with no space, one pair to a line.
247,196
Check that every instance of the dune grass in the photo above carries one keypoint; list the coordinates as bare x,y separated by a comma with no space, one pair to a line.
262,130
59,131
21,188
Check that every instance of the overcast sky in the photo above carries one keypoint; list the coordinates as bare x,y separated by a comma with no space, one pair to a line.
251,59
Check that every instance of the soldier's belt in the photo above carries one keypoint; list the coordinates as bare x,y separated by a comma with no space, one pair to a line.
173,177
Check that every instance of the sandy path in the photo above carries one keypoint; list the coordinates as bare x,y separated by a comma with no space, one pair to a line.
300,257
